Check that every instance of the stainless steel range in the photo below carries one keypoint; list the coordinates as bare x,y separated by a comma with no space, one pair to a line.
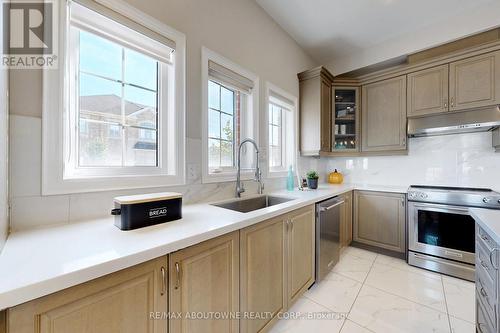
440,229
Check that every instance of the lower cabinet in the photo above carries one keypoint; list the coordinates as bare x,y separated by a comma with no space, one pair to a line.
487,283
301,252
262,274
255,273
204,280
277,266
121,302
346,221
379,219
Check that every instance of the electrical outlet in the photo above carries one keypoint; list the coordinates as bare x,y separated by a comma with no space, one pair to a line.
193,171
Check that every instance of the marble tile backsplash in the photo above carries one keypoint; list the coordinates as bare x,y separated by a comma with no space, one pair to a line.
456,160
29,209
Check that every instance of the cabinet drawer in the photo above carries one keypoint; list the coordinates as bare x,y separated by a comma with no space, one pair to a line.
483,237
484,323
484,261
484,292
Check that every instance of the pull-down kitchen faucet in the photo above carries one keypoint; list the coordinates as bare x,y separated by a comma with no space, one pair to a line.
258,174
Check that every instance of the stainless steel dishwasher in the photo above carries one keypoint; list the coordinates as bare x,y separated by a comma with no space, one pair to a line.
327,235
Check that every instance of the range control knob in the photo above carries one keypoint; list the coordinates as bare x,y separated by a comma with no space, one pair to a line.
423,195
486,200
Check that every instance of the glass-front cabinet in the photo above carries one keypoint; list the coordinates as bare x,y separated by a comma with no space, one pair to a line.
345,119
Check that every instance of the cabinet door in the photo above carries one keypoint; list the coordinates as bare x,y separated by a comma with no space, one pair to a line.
262,273
383,115
475,82
379,219
117,303
314,111
204,278
345,119
3,324
428,91
310,117
301,252
346,225
326,104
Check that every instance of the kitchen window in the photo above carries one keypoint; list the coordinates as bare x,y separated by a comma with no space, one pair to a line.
276,132
117,102
281,131
230,100
122,106
223,105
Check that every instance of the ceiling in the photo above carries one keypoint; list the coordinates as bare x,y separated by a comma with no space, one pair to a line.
350,34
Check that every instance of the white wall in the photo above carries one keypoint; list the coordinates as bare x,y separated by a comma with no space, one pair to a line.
237,29
4,208
456,160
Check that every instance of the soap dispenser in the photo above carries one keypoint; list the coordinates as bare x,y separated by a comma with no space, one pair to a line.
290,179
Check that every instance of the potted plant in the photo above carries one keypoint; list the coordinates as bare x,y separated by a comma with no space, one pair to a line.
312,180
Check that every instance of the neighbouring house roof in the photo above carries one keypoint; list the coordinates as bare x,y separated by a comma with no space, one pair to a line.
145,145
109,105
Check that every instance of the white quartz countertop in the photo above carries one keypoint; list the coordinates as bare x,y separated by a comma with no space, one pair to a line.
38,262
489,220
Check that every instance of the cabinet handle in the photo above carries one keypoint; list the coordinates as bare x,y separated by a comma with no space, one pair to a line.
452,102
445,105
404,141
403,202
177,276
163,281
491,258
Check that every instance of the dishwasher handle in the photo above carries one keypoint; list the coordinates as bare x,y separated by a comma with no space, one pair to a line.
324,209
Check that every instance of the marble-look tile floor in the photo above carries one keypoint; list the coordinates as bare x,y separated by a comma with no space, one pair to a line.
372,293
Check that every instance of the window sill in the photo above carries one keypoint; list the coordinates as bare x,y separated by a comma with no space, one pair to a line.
101,184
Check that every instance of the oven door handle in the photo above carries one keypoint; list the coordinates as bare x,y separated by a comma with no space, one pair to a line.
442,208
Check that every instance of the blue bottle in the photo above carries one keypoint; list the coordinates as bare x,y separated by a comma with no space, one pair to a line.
290,181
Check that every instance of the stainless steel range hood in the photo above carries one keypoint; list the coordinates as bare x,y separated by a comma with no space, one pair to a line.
472,120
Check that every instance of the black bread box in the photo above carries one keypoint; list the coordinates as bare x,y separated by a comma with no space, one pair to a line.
137,211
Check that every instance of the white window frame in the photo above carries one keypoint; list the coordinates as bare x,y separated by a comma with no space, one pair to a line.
276,95
56,95
249,116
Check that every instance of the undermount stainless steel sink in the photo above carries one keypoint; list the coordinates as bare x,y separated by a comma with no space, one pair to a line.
246,205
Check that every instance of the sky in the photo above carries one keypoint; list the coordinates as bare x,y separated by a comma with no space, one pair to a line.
104,58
